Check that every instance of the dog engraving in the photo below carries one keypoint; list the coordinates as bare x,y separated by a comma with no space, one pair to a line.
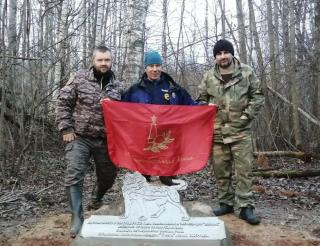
137,190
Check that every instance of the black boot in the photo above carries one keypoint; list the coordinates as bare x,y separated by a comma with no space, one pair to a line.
148,177
75,199
247,214
96,198
167,180
223,209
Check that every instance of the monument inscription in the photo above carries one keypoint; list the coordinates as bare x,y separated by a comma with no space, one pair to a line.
153,214
206,228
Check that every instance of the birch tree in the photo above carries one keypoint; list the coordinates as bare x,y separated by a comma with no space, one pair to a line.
85,33
135,39
12,28
316,58
62,34
241,32
164,32
206,28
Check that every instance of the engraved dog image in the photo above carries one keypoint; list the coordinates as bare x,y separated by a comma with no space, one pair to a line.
136,189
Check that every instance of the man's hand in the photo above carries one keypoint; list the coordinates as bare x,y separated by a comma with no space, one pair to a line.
210,104
69,137
244,117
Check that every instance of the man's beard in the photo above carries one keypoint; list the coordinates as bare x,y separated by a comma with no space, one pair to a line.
224,66
98,70
106,75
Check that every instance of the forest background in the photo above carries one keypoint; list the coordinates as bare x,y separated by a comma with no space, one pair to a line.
42,42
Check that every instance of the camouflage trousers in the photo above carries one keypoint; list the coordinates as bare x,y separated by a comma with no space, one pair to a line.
235,156
78,154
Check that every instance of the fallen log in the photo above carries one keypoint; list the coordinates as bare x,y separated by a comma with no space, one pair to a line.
287,173
293,154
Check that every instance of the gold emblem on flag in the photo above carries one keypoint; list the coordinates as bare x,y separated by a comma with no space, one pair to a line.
157,142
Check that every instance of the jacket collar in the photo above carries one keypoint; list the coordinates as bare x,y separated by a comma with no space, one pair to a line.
164,76
90,75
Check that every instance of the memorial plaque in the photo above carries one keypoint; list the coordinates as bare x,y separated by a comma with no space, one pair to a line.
153,216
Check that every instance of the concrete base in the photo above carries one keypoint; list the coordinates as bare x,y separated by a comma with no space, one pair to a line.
140,242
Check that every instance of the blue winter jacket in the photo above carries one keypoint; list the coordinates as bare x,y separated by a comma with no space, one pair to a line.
142,93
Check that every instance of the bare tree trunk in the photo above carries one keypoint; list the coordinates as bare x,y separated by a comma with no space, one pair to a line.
12,28
225,19
164,33
85,33
316,58
94,24
122,21
135,41
25,31
105,23
306,115
100,20
113,38
261,67
222,4
206,28
276,15
2,91
3,88
292,76
180,34
242,32
257,43
286,55
271,34
62,45
97,23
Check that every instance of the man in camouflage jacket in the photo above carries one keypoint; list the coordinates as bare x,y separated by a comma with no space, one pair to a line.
235,89
80,120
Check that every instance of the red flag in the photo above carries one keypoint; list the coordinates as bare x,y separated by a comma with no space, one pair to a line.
159,140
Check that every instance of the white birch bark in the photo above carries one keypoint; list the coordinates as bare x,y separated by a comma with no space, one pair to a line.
12,28
135,39
62,43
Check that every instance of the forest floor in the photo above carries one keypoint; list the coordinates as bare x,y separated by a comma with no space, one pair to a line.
34,210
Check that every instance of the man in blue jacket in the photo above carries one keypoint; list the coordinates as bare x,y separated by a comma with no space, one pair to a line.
157,87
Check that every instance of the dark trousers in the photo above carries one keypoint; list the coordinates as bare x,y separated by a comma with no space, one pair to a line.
78,154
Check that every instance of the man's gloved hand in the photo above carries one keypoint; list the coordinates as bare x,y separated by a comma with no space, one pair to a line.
68,137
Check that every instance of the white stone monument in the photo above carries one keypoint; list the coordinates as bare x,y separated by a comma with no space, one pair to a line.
153,216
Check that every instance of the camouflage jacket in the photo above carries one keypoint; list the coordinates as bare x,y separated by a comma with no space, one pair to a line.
78,106
240,97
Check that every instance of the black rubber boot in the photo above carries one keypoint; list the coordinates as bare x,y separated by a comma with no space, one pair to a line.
248,214
167,180
75,200
96,198
148,177
223,209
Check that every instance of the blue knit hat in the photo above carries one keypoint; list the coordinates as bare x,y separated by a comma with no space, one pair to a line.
152,57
